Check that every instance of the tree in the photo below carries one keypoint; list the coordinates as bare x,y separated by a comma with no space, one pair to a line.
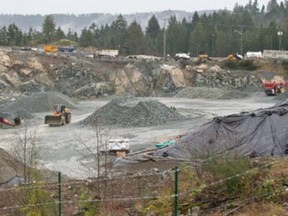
272,6
135,40
176,37
154,34
48,28
72,36
59,34
118,33
3,36
24,150
87,38
14,35
153,28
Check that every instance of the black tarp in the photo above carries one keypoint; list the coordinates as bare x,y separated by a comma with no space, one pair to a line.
263,132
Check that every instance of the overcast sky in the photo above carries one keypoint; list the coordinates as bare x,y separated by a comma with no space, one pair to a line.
113,6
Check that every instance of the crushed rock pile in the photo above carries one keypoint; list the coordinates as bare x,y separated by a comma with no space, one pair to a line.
127,112
210,93
38,102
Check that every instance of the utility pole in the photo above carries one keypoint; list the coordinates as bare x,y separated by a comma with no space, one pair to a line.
241,39
164,41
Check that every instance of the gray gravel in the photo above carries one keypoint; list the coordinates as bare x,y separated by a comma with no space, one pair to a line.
210,93
130,111
38,102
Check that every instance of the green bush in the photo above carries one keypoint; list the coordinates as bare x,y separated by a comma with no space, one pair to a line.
229,169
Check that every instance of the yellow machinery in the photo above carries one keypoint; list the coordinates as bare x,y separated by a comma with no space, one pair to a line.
61,116
51,48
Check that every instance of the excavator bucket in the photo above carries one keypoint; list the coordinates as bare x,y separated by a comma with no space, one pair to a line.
54,120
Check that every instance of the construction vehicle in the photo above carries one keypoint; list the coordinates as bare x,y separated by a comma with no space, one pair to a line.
6,122
61,116
203,56
51,48
116,145
183,56
234,57
272,87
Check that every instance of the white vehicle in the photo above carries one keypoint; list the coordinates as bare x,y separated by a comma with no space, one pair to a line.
254,55
184,56
115,145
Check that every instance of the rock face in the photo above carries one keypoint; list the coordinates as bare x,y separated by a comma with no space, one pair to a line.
84,78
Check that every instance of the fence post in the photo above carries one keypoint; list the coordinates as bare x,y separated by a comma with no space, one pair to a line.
59,195
176,192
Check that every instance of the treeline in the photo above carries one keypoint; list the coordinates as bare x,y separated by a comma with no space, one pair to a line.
246,28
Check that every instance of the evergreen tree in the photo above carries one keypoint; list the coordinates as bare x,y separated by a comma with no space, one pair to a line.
153,35
3,36
14,35
176,37
135,40
48,28
87,38
118,33
59,34
272,6
72,36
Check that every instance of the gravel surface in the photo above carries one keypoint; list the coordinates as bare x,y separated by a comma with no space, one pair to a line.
210,93
130,111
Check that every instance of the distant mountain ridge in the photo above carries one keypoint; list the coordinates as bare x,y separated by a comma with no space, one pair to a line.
79,22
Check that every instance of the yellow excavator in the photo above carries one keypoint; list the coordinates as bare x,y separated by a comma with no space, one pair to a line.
61,116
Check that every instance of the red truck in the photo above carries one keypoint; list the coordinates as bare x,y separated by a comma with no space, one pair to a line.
272,87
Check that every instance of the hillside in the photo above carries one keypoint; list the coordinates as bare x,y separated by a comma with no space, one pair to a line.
78,22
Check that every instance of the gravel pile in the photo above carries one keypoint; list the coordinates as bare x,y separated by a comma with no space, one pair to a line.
38,102
127,112
210,93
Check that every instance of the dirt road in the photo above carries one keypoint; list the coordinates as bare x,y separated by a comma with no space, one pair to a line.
62,148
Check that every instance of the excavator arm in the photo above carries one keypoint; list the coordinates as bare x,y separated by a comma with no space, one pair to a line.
5,121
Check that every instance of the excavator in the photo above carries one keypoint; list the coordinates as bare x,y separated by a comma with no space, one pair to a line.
6,122
61,116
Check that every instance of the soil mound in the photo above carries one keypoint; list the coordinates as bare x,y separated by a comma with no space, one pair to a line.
127,112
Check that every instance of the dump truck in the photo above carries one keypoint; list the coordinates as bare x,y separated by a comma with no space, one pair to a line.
61,116
274,86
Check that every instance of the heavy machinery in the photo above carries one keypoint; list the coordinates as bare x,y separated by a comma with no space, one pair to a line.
116,145
50,48
61,116
182,56
6,122
274,86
